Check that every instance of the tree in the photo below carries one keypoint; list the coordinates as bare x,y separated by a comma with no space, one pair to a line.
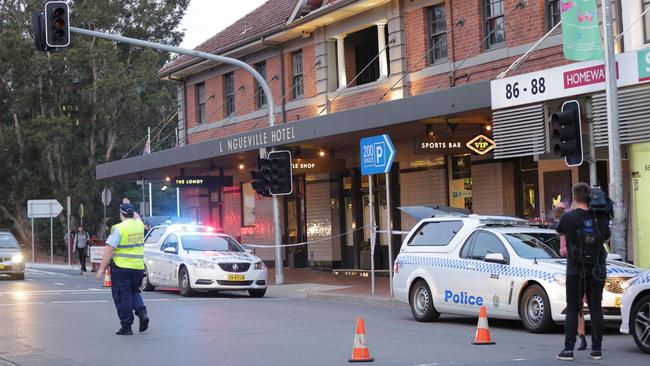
63,113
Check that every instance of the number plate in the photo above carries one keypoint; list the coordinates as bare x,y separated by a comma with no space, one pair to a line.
618,302
235,277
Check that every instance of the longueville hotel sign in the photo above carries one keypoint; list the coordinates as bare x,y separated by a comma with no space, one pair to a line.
257,139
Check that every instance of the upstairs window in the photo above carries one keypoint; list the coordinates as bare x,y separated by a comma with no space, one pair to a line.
229,94
297,86
260,98
646,21
200,102
437,34
494,19
553,13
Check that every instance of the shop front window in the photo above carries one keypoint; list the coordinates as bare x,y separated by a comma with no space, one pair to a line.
460,182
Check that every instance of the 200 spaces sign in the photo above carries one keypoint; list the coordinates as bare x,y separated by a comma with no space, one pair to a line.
568,80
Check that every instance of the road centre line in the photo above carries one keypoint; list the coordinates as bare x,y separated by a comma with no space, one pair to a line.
23,303
59,284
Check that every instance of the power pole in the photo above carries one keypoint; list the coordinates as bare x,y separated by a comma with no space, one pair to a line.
618,241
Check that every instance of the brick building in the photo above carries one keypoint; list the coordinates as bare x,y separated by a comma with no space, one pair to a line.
341,70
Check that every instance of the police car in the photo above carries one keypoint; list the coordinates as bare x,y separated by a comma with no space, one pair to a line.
195,258
456,264
635,310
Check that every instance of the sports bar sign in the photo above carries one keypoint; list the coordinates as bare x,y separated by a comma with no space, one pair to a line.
565,81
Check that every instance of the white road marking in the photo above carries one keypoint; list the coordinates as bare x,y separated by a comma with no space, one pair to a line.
23,303
50,292
42,272
76,301
215,298
59,284
152,300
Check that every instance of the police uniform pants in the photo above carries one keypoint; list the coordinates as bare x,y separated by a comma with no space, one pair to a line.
126,293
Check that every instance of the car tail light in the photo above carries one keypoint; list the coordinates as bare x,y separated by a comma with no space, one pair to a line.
395,267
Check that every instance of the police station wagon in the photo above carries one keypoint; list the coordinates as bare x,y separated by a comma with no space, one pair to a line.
456,264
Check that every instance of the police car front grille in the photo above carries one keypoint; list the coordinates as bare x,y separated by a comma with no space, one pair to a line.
229,267
613,285
234,283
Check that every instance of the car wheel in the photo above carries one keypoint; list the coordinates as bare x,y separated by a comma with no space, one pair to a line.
257,292
145,285
184,286
640,324
421,301
535,310
20,276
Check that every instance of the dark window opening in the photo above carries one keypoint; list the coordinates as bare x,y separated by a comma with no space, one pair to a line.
297,86
229,94
260,98
553,13
494,23
646,21
200,103
437,34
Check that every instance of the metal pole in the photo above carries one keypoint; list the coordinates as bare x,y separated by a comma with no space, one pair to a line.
615,169
372,236
144,207
150,201
178,202
67,244
33,248
389,228
277,225
593,179
51,238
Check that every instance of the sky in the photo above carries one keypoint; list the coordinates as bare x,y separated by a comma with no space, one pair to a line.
205,18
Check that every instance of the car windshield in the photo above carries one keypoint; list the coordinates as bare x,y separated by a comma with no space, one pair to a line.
210,242
8,241
528,247
550,239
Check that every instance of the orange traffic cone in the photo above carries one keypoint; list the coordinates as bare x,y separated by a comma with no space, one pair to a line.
482,329
360,350
107,278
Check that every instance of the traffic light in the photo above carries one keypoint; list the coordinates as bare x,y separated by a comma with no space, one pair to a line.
57,24
262,177
281,179
567,133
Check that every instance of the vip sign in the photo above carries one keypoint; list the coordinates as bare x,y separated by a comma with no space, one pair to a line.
481,144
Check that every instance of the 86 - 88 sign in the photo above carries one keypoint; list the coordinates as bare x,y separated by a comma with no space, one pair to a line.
537,86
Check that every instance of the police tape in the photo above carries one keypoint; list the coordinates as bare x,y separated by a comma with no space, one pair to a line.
306,242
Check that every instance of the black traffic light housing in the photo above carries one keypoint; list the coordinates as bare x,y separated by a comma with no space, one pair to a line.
262,177
281,173
57,24
567,133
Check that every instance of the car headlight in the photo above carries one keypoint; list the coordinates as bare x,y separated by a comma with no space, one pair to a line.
259,265
203,264
630,282
560,278
17,258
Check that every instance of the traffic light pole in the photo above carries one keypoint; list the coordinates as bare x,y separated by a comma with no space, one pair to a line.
618,241
279,273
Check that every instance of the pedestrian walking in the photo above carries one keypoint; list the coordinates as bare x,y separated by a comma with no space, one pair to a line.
124,253
584,229
81,246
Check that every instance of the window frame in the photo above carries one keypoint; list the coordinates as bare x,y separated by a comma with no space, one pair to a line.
646,21
260,97
228,94
431,36
297,75
165,242
550,19
474,241
426,223
200,103
486,21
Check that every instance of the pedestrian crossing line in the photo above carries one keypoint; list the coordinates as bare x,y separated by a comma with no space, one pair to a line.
42,272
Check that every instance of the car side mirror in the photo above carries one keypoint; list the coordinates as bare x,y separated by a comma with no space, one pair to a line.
614,257
495,258
170,250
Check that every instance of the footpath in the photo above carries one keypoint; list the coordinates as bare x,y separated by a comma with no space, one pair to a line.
306,284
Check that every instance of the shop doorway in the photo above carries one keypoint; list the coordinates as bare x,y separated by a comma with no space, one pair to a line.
460,182
296,224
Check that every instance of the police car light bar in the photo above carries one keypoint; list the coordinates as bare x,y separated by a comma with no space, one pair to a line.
501,220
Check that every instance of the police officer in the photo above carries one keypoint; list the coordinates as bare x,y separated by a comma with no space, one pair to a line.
584,230
124,253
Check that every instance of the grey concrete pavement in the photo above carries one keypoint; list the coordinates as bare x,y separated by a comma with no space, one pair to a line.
61,318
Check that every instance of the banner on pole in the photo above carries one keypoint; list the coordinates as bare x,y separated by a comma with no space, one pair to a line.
580,32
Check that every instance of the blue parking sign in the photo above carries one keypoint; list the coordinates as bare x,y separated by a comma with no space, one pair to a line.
377,154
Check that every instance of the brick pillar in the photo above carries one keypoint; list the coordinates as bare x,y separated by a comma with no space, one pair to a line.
397,43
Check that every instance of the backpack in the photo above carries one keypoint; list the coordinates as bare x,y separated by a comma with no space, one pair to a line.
589,243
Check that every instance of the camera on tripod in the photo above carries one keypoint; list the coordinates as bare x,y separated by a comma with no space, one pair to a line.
599,201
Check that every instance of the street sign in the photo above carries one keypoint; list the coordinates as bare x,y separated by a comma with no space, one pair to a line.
377,154
106,196
203,181
43,209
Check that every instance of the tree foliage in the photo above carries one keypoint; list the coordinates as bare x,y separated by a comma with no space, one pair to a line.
62,113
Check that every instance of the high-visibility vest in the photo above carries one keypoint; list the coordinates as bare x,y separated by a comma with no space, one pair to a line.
130,252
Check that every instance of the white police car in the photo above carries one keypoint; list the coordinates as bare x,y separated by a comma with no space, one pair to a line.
635,310
195,258
456,264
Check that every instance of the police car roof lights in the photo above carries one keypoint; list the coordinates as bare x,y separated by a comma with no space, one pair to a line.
500,220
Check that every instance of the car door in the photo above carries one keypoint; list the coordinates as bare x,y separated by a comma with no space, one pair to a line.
167,260
486,283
